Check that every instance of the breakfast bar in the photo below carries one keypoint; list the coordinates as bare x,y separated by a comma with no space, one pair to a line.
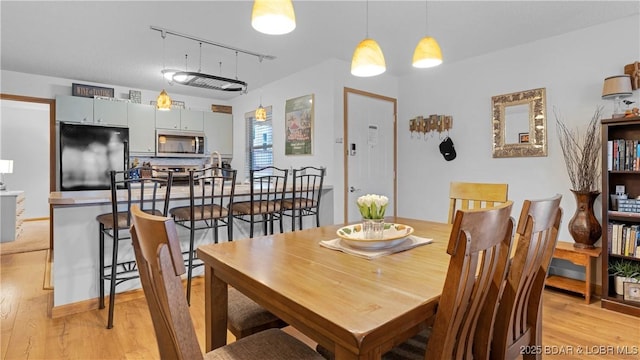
75,253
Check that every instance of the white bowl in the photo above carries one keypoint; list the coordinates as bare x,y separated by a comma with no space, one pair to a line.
393,234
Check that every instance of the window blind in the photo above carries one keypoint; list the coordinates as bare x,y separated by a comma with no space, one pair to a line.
259,135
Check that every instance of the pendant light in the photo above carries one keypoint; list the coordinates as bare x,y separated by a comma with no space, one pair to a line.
368,59
273,17
427,54
261,112
163,102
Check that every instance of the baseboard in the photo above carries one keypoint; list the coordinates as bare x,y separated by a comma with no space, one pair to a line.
93,304
46,284
36,219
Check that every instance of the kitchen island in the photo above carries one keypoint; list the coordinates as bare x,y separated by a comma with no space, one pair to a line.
75,253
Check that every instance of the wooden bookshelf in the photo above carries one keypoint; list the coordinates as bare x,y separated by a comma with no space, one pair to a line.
617,129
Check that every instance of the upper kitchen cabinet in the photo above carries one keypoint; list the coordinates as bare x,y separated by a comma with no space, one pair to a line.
191,120
142,129
179,119
168,119
108,112
218,128
91,112
74,109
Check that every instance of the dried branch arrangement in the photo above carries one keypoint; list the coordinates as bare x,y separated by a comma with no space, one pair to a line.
581,152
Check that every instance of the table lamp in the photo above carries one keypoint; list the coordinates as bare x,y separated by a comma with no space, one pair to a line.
617,87
6,167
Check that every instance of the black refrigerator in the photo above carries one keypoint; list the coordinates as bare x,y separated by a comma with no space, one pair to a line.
88,153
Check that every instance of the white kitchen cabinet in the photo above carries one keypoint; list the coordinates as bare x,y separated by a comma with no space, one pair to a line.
109,113
142,129
74,109
218,128
191,120
179,119
168,119
88,111
12,210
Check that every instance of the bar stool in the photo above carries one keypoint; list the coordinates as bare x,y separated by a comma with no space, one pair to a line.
268,186
305,201
209,188
138,186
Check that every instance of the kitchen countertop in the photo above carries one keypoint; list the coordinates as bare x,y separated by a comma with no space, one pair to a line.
104,196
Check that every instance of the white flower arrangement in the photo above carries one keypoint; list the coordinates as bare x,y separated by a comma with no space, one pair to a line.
372,206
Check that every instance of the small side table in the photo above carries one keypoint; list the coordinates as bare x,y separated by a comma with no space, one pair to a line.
581,257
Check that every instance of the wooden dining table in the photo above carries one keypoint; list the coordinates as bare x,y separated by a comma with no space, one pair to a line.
356,307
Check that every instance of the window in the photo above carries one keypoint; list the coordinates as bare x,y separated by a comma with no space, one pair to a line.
259,135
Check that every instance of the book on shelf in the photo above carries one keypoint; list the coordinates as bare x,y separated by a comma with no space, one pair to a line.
623,155
624,239
610,155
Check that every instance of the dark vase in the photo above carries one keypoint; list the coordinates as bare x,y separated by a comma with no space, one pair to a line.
583,226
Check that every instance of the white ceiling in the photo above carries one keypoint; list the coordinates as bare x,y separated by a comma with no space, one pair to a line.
111,41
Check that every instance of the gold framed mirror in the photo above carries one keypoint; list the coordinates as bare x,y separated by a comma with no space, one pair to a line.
519,122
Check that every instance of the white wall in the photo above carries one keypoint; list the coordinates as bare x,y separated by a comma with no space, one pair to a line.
24,138
326,82
571,67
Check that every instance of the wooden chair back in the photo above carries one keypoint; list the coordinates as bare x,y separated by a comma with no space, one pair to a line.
518,321
464,195
157,251
479,246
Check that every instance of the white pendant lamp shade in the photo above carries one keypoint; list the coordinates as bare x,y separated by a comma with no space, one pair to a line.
427,54
261,113
273,17
368,59
163,102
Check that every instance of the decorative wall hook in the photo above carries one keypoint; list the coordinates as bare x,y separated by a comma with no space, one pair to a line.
422,125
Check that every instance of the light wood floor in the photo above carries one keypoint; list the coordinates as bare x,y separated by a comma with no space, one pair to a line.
34,236
27,332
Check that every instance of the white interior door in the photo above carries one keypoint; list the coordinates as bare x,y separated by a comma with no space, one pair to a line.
370,149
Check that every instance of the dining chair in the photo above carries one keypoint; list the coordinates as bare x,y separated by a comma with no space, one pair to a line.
518,322
159,258
151,192
479,245
306,192
209,189
267,189
465,195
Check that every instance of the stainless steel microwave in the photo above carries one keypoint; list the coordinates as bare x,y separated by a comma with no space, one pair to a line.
173,143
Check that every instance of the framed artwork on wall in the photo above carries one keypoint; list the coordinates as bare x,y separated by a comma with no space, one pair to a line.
519,123
299,125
